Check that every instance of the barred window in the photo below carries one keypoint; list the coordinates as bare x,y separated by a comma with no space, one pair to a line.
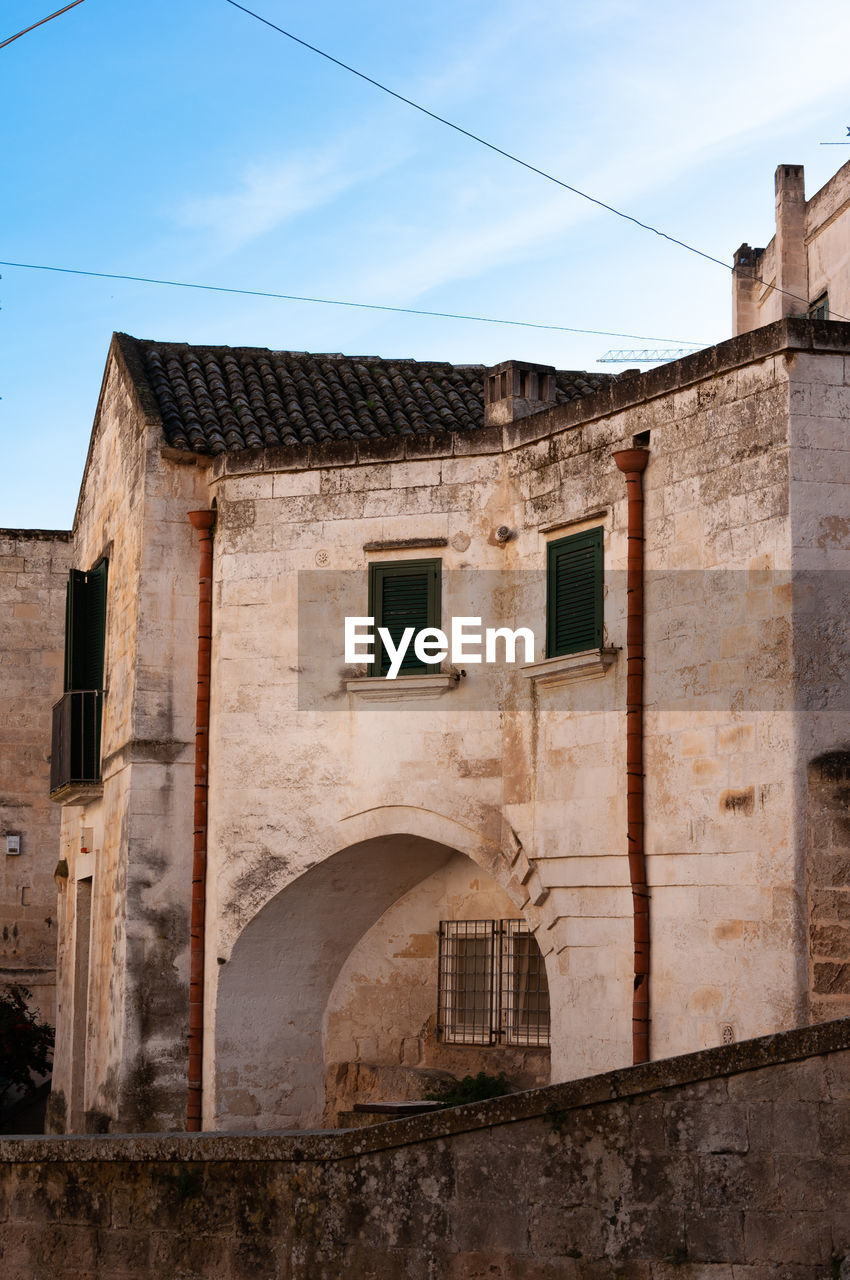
525,992
491,983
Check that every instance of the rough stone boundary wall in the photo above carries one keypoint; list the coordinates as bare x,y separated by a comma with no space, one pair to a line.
729,1164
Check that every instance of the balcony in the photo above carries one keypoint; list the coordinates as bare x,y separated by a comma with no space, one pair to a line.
75,757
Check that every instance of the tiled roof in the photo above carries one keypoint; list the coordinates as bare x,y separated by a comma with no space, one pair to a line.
215,399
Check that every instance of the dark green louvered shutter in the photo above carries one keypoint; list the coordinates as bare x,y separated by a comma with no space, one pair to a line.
574,594
405,594
85,628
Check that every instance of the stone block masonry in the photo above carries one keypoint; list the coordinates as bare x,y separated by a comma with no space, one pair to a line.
728,1164
353,826
34,566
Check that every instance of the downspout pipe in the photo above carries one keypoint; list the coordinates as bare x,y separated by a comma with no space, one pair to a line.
632,462
203,521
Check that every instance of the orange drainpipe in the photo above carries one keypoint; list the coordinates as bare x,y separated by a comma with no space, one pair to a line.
203,521
632,462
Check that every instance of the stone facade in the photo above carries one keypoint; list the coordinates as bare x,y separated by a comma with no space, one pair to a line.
33,574
349,816
806,263
130,886
729,1164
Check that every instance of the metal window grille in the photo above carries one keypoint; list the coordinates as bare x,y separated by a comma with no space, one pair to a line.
467,981
525,991
491,983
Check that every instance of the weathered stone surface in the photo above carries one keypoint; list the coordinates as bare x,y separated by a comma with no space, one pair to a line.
572,1182
34,568
351,830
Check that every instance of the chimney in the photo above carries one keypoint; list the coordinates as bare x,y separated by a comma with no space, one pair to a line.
745,290
791,262
514,389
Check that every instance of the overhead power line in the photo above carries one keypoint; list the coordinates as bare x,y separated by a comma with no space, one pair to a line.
491,146
327,302
49,17
475,137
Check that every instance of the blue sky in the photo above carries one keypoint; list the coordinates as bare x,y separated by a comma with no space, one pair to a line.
189,142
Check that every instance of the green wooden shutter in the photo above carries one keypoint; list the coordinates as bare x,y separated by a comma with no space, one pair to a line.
70,647
404,594
574,594
85,627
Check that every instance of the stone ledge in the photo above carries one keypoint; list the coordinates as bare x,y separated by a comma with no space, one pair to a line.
552,672
330,1145
404,544
148,751
75,794
379,689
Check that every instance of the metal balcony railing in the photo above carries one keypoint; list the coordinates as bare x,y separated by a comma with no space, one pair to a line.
75,756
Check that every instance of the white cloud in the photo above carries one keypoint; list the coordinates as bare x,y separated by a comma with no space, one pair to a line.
273,192
618,104
660,99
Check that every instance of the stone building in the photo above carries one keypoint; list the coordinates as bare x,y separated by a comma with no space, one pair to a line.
805,269
355,882
34,566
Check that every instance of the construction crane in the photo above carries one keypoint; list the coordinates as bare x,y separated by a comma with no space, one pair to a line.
653,355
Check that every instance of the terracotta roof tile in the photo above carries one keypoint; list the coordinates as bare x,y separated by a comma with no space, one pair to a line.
215,399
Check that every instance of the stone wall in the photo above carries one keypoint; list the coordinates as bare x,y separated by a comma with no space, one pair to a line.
324,814
729,1164
828,883
380,1034
828,243
33,576
123,964
808,256
523,776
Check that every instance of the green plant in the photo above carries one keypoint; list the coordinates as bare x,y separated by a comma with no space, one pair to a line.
471,1089
26,1044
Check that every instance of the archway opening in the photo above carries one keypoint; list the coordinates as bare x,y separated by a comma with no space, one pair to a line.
330,995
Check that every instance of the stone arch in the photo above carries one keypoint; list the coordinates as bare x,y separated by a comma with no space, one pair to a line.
320,844
481,845
274,990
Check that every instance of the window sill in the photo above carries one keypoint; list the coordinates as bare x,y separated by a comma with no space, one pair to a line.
568,667
77,793
379,689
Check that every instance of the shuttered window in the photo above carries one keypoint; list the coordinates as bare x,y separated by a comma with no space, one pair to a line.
85,628
404,594
574,594
75,752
